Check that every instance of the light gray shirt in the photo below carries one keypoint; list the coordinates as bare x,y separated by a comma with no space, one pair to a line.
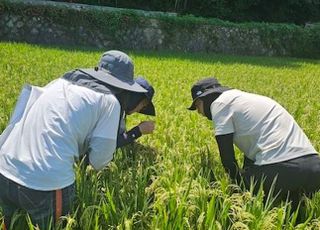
52,126
263,130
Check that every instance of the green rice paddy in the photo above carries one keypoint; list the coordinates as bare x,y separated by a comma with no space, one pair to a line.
173,179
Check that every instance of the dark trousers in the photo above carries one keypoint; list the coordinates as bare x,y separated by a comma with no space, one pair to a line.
296,177
40,205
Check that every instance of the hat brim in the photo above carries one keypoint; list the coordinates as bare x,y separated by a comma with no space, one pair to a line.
219,89
113,81
149,110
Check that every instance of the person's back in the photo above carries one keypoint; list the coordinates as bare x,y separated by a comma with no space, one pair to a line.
262,128
76,115
53,132
276,149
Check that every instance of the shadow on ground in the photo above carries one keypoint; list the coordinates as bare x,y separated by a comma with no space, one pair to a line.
274,62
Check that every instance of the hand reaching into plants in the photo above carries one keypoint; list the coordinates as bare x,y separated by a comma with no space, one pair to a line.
146,127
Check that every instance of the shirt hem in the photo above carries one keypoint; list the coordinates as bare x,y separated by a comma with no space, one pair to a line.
262,162
38,188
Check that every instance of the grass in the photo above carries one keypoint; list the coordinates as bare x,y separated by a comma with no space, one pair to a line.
174,179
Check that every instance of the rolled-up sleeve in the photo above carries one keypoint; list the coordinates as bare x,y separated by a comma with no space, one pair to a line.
103,140
101,152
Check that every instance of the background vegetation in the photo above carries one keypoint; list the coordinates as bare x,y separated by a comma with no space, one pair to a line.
173,179
97,26
289,11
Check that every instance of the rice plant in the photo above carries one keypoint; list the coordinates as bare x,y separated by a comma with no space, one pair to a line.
174,179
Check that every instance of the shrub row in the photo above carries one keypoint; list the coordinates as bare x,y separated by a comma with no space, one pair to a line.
182,33
284,11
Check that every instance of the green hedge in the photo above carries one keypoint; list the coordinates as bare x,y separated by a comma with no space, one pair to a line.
284,11
108,21
298,41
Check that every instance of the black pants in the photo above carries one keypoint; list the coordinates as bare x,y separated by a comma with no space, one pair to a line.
296,177
40,205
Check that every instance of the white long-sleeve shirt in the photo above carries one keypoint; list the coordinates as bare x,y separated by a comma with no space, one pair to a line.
52,126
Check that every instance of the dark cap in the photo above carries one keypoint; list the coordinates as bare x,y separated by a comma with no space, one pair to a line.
205,87
149,109
116,69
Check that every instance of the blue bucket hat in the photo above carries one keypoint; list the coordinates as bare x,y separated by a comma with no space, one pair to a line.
149,109
116,68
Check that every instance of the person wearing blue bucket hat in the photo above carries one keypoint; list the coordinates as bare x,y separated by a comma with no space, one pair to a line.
75,115
140,103
137,97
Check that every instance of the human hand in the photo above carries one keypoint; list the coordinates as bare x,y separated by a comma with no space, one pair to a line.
146,127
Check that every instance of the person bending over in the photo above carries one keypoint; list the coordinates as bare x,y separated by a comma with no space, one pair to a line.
52,126
138,103
275,148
